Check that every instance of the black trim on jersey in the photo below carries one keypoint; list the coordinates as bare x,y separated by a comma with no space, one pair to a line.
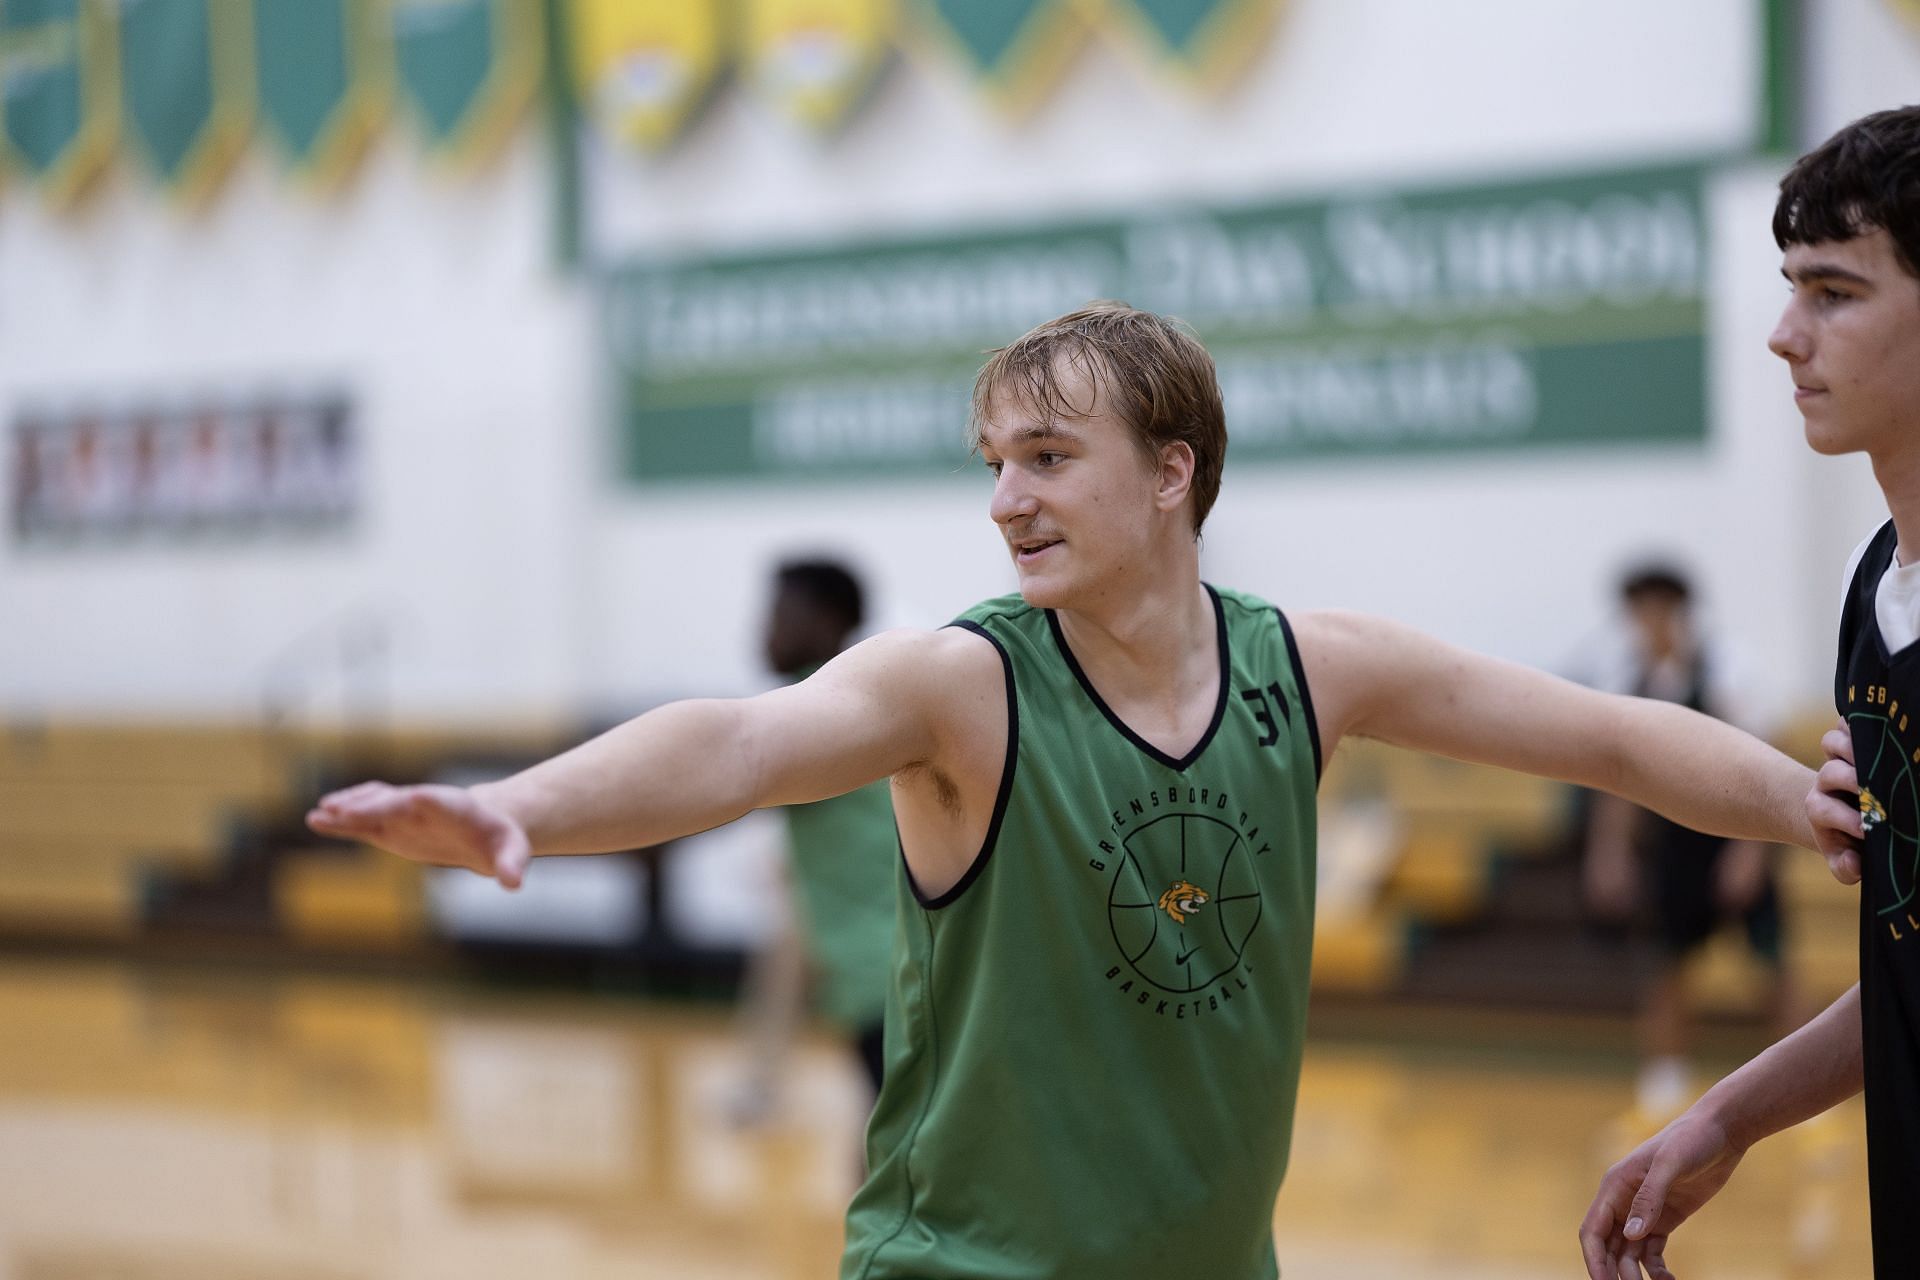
1300,683
1219,706
980,859
1861,608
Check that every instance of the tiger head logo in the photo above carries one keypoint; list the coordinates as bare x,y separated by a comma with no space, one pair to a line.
1872,812
1182,900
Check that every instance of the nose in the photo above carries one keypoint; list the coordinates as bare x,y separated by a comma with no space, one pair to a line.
1012,498
1789,337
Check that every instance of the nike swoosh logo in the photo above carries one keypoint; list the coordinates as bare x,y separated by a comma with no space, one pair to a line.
1182,957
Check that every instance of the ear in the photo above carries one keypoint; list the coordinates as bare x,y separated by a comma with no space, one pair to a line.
1176,475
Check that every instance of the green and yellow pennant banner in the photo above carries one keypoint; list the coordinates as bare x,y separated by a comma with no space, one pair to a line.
467,68
1198,43
645,67
814,60
322,83
1016,49
59,113
186,78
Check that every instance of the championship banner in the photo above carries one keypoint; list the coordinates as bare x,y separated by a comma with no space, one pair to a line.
1200,43
186,77
1501,318
1015,48
321,87
467,68
645,67
238,466
58,110
816,59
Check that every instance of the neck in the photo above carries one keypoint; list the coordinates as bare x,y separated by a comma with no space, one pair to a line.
1154,623
1899,479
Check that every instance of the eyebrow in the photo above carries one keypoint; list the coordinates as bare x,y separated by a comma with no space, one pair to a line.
1048,430
1824,271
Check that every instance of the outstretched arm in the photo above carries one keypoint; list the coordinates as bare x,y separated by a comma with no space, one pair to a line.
681,768
1662,1182
1382,680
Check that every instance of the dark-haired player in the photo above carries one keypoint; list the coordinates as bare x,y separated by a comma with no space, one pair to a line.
842,848
1848,219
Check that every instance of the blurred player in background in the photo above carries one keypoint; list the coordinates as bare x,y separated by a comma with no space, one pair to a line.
1693,882
1848,221
843,851
1105,790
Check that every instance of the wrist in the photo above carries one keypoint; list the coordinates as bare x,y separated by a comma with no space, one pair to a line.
504,799
1721,1107
1801,828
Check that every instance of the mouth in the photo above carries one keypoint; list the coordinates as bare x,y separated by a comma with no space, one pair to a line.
1029,550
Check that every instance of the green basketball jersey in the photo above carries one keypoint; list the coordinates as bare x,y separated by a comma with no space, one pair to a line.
1093,1039
844,852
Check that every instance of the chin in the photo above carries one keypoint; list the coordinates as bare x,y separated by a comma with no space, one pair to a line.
1044,591
1041,595
1824,440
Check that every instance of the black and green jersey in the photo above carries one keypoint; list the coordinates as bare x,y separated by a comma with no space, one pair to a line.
844,855
1871,686
1094,1038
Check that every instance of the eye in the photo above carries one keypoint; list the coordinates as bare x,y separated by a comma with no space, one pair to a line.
1051,457
993,465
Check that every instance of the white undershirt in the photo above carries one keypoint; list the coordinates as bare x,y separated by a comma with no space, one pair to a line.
1896,601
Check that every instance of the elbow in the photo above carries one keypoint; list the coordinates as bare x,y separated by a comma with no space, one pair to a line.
1615,760
746,785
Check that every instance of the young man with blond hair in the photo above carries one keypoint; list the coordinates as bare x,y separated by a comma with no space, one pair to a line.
1104,788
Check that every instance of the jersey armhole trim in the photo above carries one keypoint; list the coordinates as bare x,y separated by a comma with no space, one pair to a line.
1306,696
987,845
1860,605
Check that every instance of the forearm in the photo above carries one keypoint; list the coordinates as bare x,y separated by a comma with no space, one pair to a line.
1817,1067
1708,775
1385,681
676,770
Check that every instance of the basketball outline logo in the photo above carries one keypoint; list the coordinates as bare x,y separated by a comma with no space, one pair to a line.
1881,791
1203,861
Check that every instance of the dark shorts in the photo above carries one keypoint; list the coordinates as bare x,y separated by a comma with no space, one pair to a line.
870,1042
1682,867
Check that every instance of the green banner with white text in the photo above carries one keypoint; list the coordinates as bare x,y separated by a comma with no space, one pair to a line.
1493,318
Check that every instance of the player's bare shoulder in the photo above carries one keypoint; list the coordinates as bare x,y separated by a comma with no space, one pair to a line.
952,678
1349,658
972,679
924,668
952,682
949,684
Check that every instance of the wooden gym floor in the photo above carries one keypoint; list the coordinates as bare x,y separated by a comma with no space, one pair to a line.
193,1124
